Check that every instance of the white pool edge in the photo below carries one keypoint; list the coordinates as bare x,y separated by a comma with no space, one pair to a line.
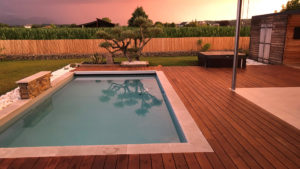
196,141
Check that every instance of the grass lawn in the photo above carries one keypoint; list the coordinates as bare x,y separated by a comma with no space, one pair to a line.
169,61
12,71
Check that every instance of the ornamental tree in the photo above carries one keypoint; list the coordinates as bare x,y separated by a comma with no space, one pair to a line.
116,40
143,35
120,40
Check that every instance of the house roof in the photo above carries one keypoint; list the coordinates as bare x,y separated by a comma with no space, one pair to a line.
291,12
99,21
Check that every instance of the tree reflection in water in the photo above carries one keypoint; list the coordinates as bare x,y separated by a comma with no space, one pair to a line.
129,93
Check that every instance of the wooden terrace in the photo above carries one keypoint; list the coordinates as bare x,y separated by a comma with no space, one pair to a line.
241,134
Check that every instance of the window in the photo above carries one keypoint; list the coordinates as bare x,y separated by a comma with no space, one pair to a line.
297,33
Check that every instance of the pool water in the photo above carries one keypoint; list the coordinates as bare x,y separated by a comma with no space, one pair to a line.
98,110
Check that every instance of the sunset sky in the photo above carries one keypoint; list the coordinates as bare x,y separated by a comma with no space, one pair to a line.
80,11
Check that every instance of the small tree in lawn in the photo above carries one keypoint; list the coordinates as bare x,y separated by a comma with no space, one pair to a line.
116,40
143,35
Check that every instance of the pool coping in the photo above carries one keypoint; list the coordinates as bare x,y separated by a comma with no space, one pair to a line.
196,142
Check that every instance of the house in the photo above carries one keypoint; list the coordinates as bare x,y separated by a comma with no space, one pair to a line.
97,23
275,38
201,23
182,24
28,26
214,24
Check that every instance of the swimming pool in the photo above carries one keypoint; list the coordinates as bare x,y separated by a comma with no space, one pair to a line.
116,112
98,110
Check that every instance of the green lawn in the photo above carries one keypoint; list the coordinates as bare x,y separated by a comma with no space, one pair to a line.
11,71
168,61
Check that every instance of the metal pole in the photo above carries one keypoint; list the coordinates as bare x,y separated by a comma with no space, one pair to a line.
236,45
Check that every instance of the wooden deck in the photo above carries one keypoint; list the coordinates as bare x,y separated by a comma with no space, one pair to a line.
241,134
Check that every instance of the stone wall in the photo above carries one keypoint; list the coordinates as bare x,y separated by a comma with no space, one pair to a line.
34,85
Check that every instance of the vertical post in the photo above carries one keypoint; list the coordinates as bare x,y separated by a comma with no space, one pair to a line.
236,44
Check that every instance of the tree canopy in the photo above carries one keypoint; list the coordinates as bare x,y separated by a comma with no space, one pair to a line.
291,5
159,24
3,25
107,19
139,12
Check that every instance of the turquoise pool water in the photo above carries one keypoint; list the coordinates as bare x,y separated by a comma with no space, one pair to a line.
98,110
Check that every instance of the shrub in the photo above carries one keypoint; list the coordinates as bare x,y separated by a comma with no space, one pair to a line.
96,58
203,48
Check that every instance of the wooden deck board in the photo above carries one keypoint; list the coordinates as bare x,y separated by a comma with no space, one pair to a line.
122,162
191,161
64,162
168,161
145,161
156,161
134,161
17,163
87,162
220,108
41,163
241,134
52,163
110,162
98,162
203,160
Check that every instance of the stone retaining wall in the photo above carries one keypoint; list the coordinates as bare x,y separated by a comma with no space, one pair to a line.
34,85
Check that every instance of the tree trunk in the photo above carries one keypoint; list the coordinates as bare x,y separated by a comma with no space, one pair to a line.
109,59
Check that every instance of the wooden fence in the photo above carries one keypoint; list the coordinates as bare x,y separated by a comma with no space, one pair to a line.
88,46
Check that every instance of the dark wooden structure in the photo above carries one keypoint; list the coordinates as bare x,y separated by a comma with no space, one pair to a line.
97,23
275,38
220,59
242,134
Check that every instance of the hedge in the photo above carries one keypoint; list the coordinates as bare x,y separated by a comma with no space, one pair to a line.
89,33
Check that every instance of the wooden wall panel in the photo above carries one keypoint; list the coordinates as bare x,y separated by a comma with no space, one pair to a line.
292,46
88,46
278,22
278,38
